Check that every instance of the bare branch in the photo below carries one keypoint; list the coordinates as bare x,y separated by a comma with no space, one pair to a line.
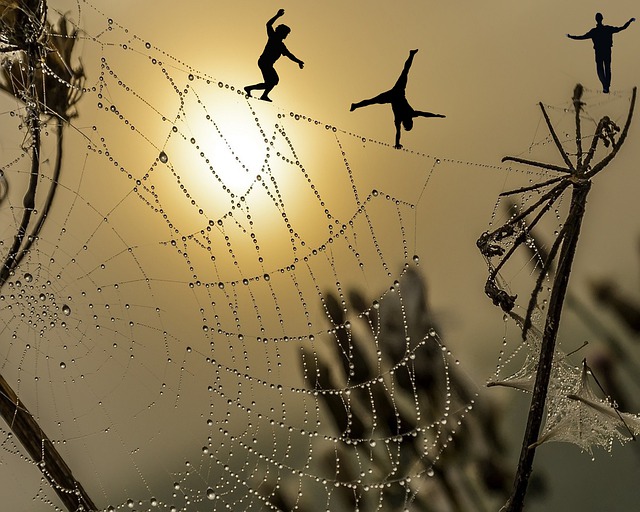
602,164
550,167
531,187
577,106
552,131
42,451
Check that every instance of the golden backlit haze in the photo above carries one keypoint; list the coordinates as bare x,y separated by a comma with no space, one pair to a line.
178,161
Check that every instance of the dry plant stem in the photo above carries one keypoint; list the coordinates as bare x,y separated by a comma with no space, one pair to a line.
556,140
29,200
18,418
42,450
548,167
530,187
543,374
581,176
544,271
49,200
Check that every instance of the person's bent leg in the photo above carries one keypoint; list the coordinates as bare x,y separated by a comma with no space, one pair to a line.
271,79
250,88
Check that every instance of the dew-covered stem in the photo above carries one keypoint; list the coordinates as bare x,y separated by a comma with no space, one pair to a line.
547,349
29,26
566,244
28,202
35,232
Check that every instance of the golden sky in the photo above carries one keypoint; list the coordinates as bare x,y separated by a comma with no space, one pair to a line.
484,65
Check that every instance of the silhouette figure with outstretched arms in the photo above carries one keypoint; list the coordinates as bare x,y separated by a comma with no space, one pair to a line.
403,114
273,50
602,37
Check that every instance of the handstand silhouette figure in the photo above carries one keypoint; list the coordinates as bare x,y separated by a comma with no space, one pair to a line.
403,114
273,50
602,37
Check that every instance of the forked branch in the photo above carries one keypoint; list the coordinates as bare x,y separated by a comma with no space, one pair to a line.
578,178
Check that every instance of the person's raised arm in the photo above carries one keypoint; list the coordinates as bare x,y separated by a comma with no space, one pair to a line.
583,36
270,23
623,27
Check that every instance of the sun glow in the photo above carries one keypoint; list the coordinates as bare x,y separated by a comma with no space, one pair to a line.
230,151
222,152
235,169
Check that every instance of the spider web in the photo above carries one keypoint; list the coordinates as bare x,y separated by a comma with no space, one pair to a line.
183,327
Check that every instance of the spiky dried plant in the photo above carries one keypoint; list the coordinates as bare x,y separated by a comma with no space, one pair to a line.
575,175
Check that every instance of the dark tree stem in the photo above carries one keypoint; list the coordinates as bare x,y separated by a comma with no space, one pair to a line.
29,200
547,349
15,414
35,232
581,184
42,451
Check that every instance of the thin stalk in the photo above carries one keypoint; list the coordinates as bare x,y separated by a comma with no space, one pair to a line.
543,374
548,167
18,418
556,140
546,267
42,451
29,200
531,187
616,147
35,232
550,196
577,107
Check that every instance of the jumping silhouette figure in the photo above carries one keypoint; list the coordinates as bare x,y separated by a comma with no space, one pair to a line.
273,50
403,114
602,37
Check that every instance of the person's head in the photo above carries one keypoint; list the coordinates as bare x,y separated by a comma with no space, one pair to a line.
599,18
282,31
407,122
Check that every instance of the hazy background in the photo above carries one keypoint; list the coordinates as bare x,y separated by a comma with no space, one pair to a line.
485,67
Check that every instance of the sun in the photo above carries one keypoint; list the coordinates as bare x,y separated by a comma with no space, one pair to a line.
228,146
229,166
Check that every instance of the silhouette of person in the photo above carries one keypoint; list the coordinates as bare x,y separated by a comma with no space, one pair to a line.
403,114
273,50
602,37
